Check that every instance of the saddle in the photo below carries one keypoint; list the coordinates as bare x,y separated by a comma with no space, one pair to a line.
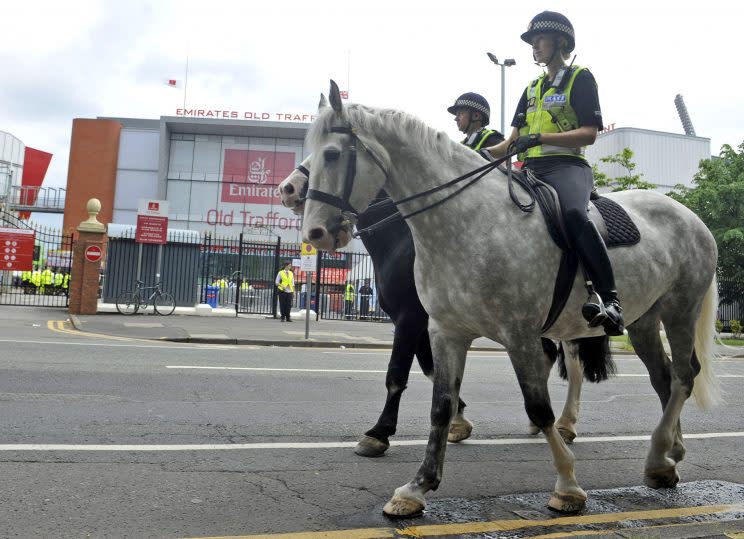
612,221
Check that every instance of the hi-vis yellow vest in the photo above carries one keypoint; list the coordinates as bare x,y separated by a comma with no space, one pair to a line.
287,281
550,112
349,296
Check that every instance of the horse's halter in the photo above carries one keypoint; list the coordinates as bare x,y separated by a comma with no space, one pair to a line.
342,203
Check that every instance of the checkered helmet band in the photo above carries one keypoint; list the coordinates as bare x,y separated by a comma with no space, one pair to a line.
466,103
550,26
472,101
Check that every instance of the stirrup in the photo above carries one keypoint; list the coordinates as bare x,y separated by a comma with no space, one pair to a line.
594,312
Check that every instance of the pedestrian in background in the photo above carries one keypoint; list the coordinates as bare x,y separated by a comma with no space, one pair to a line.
285,283
365,293
349,297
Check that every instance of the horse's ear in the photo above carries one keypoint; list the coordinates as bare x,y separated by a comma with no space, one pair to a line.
323,102
335,96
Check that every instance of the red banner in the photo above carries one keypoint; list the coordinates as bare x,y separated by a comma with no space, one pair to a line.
253,176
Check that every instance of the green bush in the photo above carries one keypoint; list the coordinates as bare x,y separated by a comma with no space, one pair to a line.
735,327
719,326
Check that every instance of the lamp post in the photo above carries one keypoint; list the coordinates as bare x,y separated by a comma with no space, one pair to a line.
506,63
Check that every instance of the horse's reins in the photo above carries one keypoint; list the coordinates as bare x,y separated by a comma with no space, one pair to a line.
348,210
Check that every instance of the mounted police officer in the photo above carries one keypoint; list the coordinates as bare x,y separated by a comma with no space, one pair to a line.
557,116
472,114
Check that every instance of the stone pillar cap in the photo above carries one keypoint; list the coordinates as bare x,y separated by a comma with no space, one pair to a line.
92,224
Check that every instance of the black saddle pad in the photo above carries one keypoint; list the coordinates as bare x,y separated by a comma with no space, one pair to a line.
621,230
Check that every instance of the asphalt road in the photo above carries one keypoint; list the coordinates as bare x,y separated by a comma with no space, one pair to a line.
115,437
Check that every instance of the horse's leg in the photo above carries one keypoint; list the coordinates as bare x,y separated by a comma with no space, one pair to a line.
532,367
449,353
661,470
566,424
460,428
375,441
644,335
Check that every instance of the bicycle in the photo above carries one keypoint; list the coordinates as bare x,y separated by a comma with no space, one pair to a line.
130,302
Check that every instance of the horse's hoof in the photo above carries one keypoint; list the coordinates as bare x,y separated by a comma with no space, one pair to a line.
370,447
459,430
563,502
567,433
399,507
661,478
533,429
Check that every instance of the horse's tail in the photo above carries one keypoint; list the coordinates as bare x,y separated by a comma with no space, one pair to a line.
596,357
594,353
706,390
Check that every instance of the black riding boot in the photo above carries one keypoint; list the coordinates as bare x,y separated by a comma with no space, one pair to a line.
593,254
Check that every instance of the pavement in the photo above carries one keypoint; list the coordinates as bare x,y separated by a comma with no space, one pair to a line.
221,326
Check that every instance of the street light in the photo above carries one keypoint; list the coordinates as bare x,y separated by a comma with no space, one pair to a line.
507,63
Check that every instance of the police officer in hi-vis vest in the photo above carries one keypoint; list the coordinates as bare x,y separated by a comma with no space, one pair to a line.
557,116
285,284
472,114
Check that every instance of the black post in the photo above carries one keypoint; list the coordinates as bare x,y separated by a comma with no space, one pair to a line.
239,287
318,296
274,294
205,270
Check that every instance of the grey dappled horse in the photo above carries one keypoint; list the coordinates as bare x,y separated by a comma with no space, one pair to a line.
392,253
669,276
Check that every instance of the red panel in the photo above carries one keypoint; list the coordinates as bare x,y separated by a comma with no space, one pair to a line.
35,165
253,176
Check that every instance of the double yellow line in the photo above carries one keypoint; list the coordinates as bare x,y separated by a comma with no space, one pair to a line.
62,326
438,530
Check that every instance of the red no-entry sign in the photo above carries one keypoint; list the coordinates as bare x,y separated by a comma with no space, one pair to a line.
93,253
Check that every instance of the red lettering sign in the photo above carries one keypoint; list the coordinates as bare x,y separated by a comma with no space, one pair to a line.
93,253
16,249
151,229
253,176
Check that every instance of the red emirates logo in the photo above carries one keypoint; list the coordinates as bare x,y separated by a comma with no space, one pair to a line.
153,206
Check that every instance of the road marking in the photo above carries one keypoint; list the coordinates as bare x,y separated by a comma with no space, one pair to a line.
166,344
645,375
438,530
275,369
336,445
359,371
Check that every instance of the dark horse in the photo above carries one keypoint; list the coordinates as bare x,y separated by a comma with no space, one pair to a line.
392,253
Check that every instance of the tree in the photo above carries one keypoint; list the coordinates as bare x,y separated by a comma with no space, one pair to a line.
718,199
621,183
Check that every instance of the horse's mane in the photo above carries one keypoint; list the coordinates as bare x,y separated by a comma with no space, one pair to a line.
401,126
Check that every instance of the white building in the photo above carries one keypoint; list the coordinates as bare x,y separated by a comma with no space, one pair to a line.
665,159
217,175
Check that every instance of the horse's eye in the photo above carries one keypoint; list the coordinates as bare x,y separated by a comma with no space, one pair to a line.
331,155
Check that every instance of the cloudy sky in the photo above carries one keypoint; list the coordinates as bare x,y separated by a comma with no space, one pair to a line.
89,58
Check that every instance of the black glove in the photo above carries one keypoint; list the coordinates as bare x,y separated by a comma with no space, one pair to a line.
522,144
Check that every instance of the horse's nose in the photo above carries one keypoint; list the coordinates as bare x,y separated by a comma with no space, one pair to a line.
289,189
316,233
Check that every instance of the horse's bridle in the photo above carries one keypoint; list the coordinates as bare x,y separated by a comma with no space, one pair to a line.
349,213
342,202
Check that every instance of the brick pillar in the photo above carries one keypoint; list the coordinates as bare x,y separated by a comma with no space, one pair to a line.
85,272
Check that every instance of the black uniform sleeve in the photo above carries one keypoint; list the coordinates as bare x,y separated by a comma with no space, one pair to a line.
585,100
521,109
